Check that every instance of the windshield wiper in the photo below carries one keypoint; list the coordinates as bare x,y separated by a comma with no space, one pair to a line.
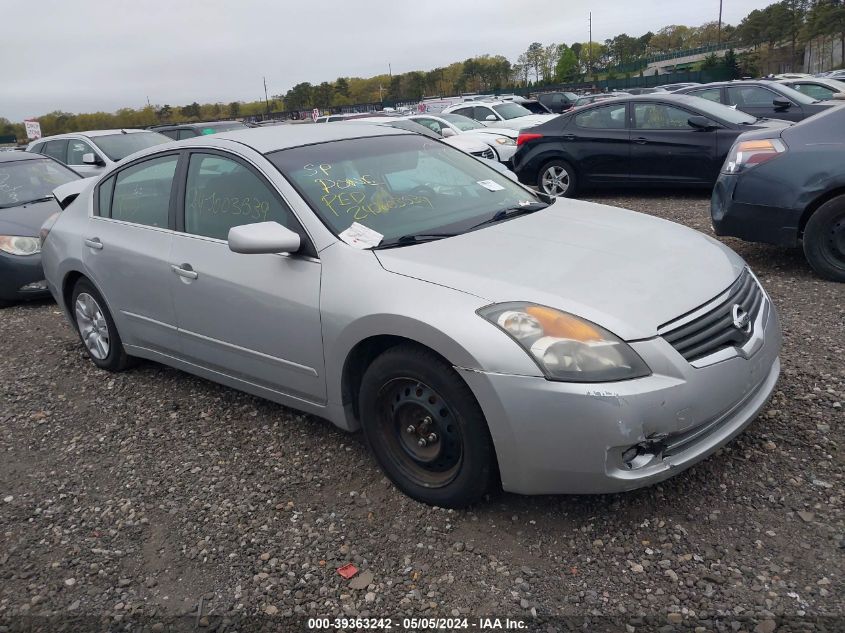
511,212
414,238
20,204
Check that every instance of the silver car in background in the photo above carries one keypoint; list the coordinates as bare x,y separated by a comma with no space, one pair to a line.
89,153
381,279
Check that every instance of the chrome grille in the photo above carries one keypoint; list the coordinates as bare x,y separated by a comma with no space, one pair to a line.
487,153
715,329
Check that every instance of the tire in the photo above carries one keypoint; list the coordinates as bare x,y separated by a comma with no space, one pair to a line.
557,178
96,328
409,387
824,240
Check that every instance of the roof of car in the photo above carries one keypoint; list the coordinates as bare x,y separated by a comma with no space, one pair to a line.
91,134
272,138
167,126
8,157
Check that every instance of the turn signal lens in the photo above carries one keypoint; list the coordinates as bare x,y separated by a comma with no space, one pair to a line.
525,137
563,325
747,154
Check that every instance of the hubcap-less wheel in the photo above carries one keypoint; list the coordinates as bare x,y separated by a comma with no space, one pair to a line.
555,181
422,436
835,243
92,326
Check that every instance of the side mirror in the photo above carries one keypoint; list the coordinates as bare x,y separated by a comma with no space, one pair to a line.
447,132
781,104
90,158
263,237
701,123
491,117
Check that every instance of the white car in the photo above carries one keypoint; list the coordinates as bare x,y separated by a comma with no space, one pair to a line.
499,114
502,140
90,153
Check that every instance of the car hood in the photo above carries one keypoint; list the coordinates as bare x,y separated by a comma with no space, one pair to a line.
626,271
26,219
522,122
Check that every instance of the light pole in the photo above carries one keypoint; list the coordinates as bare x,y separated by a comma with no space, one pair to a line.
719,29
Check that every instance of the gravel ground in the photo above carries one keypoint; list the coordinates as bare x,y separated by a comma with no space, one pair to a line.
149,495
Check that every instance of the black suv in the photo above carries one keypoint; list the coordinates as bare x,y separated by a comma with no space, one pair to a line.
767,99
180,131
557,102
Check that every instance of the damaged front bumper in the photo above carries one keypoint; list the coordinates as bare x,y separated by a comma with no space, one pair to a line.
576,438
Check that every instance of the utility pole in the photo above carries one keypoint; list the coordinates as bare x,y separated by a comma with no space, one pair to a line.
389,70
266,100
719,30
590,49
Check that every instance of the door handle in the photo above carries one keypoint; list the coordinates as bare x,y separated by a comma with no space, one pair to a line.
94,242
568,137
640,140
184,270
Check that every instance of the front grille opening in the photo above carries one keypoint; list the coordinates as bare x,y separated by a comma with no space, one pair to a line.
715,330
487,153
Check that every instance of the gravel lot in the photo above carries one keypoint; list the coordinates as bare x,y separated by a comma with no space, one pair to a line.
148,495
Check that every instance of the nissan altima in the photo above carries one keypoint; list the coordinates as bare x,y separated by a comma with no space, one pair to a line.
478,335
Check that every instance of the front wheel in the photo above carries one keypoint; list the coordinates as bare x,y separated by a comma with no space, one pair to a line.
425,428
824,240
557,179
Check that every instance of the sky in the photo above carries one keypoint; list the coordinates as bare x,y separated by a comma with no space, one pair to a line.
101,55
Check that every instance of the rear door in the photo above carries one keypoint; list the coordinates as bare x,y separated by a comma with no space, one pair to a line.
599,141
127,248
56,149
665,148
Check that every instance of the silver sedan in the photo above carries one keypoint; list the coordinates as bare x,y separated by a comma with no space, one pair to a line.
479,335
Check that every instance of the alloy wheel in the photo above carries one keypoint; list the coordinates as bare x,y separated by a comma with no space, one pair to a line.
92,325
555,181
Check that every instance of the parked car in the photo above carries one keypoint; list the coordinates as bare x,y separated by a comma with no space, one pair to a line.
769,99
599,96
497,114
501,140
466,340
659,139
180,131
26,183
678,86
787,187
89,153
821,89
644,91
468,144
557,102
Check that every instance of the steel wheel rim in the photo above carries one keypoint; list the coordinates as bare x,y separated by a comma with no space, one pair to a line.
835,241
92,325
410,411
555,181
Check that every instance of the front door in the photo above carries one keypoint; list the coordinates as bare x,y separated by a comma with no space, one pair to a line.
76,149
759,102
665,148
127,249
253,317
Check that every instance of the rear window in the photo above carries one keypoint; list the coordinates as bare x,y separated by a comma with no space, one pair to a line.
119,146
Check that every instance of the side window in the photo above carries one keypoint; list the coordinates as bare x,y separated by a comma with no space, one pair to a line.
183,134
711,94
657,116
38,148
815,91
104,197
751,96
432,124
57,150
142,192
610,117
221,193
482,112
169,133
464,112
75,151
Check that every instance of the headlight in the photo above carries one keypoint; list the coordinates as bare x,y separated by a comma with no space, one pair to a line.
746,154
504,140
566,347
17,245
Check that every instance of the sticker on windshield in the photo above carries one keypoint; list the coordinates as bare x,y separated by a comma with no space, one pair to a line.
491,185
360,236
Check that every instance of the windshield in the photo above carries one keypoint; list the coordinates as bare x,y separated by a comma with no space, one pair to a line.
511,111
723,112
119,146
463,123
27,180
397,185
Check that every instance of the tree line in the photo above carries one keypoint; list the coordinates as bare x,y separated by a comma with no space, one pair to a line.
792,21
